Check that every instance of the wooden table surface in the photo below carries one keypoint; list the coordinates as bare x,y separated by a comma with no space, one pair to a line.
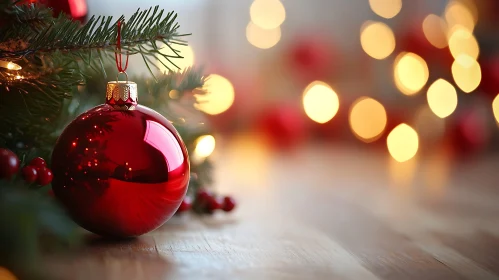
320,212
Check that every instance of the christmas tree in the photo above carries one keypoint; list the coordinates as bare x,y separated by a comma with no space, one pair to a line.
53,68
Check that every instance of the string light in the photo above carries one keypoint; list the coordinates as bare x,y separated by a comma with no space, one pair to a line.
367,119
267,14
466,73
6,274
410,73
219,95
10,65
462,41
205,145
386,8
403,142
320,102
435,30
185,51
377,39
442,98
262,38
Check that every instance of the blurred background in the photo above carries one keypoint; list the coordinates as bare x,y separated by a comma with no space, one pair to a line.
401,78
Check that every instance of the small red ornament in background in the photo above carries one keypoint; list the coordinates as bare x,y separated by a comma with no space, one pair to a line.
283,126
29,174
75,9
468,133
312,58
228,204
9,164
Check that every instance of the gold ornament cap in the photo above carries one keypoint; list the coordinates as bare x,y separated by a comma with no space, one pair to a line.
122,95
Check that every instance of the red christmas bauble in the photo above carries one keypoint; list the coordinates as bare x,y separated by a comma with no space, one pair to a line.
9,164
120,170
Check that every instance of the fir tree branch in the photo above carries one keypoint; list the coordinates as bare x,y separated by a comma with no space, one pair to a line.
139,35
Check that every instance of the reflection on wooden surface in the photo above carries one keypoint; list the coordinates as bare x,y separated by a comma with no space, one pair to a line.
320,212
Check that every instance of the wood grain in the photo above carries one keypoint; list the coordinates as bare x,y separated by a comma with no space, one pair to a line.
318,212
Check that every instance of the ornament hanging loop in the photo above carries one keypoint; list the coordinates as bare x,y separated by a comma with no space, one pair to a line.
117,53
118,76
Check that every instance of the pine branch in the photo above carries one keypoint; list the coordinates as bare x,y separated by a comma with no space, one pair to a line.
139,35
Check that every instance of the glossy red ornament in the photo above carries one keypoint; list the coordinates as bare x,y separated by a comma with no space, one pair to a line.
29,174
228,204
38,162
44,176
9,164
120,169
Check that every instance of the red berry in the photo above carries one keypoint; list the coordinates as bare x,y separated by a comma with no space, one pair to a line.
213,204
228,204
202,197
29,174
9,164
38,163
185,205
44,176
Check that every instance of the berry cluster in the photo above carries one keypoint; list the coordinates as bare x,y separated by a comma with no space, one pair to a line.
206,203
36,171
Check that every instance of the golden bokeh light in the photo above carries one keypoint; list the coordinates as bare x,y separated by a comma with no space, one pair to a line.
367,119
435,31
403,142
462,41
442,98
205,145
377,39
320,102
267,14
386,8
458,14
495,108
410,73
262,38
219,95
185,51
466,73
